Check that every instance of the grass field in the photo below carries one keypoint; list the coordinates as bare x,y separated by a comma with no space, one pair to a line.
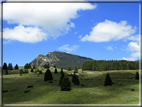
93,91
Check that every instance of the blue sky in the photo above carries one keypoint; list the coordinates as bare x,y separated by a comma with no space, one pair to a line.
102,31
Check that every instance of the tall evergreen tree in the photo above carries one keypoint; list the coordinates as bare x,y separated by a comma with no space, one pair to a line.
9,66
55,71
75,69
75,79
137,76
66,84
5,68
69,69
31,69
16,66
61,78
21,72
108,80
61,71
48,75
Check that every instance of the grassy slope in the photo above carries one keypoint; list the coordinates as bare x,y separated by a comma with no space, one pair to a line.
93,91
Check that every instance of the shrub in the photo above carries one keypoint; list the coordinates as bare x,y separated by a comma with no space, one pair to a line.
61,78
48,75
108,80
31,70
4,72
75,79
21,72
137,76
66,84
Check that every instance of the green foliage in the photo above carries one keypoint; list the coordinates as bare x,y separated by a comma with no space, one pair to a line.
31,69
75,79
55,71
78,67
108,80
4,72
69,69
75,69
48,75
5,66
137,76
16,66
103,65
46,66
27,66
66,84
21,72
61,78
10,66
61,71
34,67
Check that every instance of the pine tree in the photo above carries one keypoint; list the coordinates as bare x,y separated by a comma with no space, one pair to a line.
48,75
31,69
69,69
61,71
75,69
61,78
21,72
108,80
137,76
16,66
55,71
5,66
75,79
66,84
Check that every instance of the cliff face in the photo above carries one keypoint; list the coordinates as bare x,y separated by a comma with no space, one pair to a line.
60,60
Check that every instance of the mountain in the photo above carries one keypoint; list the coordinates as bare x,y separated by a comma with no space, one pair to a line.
60,60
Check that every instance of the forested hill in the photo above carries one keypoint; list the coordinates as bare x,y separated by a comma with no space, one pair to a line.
60,60
103,65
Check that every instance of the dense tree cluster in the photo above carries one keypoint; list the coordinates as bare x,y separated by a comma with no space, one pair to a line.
103,65
27,66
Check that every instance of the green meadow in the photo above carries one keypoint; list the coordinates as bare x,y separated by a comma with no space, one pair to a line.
90,91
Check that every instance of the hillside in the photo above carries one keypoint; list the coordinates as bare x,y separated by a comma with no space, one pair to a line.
60,60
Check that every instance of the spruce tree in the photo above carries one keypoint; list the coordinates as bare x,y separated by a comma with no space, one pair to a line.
66,84
108,80
75,79
31,69
48,75
69,69
21,72
61,71
55,71
16,66
75,69
137,76
5,66
61,78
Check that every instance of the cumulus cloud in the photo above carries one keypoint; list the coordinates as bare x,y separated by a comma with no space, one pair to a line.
108,48
24,34
67,48
133,46
109,30
54,18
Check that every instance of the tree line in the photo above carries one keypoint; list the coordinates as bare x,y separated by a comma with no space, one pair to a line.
103,65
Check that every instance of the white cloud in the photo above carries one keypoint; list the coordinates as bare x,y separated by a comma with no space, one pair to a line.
80,36
134,38
109,48
24,34
66,48
109,30
128,59
55,18
133,46
75,33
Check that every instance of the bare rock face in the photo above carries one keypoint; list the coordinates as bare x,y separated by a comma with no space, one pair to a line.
59,59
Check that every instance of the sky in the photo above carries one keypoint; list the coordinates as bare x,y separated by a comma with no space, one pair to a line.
101,31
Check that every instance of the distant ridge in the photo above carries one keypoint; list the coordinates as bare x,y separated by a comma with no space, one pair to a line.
60,60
